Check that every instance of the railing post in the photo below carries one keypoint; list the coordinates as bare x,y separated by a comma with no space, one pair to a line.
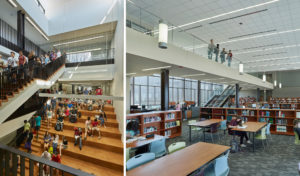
1,162
7,159
51,171
40,169
22,165
31,167
15,164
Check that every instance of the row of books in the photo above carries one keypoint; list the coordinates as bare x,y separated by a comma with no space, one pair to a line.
149,129
168,133
172,124
281,128
281,121
152,119
170,116
248,113
269,120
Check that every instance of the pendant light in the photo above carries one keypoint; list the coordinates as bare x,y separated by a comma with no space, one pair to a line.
241,68
162,35
264,77
275,81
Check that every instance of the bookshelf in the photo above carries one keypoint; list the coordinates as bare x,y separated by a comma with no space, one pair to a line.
164,123
281,119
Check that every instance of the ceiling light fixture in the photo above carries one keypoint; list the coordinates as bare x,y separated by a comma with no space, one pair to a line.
13,3
156,68
129,74
272,59
81,40
280,85
163,35
275,83
83,51
201,74
264,77
35,26
241,68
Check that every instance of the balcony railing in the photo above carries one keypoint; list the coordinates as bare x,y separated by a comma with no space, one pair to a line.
15,78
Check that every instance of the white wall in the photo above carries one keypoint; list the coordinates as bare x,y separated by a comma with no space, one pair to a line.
287,92
248,93
69,15
35,13
118,81
290,84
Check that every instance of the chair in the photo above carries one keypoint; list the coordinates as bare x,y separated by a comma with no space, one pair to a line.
229,118
176,146
219,167
158,148
297,141
139,160
223,126
127,154
268,132
262,136
194,128
213,130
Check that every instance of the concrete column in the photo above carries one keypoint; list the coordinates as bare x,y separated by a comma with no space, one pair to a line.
21,30
257,94
237,90
265,95
199,93
164,89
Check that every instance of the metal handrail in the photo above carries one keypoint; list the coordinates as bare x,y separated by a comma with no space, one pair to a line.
8,153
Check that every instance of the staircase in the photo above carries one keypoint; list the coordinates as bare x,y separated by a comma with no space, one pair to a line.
101,157
220,100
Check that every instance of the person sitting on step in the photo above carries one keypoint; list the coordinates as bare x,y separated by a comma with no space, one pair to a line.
77,135
95,127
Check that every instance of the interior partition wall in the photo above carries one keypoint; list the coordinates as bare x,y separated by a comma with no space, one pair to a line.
146,90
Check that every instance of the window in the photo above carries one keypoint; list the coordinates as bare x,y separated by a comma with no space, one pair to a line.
147,90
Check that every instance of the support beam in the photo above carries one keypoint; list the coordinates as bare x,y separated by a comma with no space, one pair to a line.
21,30
199,93
237,91
265,95
164,89
73,89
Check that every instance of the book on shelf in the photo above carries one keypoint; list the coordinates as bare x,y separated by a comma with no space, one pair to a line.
281,128
170,116
152,119
170,125
298,115
149,129
168,133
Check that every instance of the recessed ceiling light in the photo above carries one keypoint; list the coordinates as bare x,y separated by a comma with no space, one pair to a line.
156,68
201,74
81,40
128,74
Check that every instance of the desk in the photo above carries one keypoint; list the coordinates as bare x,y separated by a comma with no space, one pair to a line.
252,127
203,124
182,162
139,143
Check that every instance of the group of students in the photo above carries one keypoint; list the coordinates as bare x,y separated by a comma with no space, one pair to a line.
215,49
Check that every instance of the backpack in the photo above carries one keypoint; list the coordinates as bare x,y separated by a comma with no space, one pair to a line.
234,146
73,119
79,114
57,126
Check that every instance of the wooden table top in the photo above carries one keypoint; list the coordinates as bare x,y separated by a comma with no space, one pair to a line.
206,123
139,143
251,127
182,162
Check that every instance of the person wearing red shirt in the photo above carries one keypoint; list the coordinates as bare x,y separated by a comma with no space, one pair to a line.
229,58
99,91
78,134
56,158
95,127
21,63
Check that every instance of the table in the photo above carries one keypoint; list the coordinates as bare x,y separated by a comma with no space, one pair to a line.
182,162
139,143
252,127
203,124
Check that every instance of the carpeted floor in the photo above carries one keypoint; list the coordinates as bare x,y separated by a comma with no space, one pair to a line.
280,158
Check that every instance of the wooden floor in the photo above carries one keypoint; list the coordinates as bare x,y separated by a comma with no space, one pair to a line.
101,157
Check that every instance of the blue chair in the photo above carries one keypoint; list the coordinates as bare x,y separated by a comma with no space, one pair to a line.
176,146
158,148
268,132
139,160
219,167
223,127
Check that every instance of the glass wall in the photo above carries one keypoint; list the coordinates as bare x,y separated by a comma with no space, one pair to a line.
145,90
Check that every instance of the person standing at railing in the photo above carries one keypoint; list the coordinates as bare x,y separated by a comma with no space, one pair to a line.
21,64
38,65
58,54
222,55
229,58
210,49
47,59
12,62
31,62
217,51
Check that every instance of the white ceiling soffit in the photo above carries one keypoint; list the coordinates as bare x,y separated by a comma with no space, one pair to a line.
91,97
143,53
253,30
88,73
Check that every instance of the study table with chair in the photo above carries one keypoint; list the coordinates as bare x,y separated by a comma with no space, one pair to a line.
203,124
251,127
142,140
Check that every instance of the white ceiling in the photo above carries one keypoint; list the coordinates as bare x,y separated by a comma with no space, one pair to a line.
264,42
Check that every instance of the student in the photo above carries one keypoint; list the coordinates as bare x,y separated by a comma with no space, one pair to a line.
37,125
49,117
53,103
210,49
85,92
44,111
64,142
29,142
178,106
55,142
222,55
101,120
95,127
229,58
297,127
60,119
233,124
12,61
216,51
50,148
21,64
77,135
87,127
31,62
58,54
47,139
26,127
56,157
47,59
46,155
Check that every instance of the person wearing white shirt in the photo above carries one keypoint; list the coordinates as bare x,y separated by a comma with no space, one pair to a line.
210,49
12,61
58,54
2,64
